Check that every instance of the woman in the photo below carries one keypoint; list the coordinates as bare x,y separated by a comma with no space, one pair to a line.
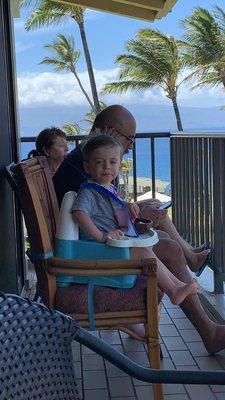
52,144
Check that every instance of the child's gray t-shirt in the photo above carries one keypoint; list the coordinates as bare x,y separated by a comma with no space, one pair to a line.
98,207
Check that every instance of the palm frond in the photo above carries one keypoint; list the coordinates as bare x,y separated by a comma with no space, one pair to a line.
204,46
71,129
90,115
219,15
49,13
211,79
65,57
55,62
124,86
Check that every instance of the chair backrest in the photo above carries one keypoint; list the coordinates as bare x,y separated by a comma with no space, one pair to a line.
67,229
33,185
35,351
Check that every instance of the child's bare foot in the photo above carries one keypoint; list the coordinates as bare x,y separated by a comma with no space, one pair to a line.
183,291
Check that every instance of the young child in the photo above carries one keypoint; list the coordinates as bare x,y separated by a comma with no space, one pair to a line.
99,216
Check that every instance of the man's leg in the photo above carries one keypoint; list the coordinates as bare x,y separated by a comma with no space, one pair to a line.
194,259
213,335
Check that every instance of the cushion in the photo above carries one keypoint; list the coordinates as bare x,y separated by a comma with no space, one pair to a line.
73,299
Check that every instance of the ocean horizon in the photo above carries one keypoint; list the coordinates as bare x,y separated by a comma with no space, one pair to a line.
143,148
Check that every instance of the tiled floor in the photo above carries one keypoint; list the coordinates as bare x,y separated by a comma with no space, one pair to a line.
182,349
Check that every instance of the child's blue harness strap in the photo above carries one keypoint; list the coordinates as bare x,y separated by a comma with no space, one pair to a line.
119,207
91,315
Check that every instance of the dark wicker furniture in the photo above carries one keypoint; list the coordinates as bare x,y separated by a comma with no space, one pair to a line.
35,352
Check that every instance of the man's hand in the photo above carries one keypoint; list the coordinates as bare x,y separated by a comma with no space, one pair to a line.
150,210
134,209
116,234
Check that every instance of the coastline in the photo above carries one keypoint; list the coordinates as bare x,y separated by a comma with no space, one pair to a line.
145,184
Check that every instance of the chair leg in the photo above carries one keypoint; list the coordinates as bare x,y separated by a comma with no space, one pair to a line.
151,327
154,360
161,353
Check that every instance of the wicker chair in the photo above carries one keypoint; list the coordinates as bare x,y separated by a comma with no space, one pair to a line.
113,309
35,353
36,358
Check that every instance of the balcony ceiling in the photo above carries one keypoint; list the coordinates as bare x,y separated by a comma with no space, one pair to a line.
148,10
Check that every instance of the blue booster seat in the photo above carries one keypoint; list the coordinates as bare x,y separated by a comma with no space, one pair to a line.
68,245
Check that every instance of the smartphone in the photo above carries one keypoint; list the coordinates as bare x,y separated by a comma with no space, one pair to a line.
165,205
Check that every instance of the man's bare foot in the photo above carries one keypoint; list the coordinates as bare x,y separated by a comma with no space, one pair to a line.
199,249
138,330
183,291
215,339
201,258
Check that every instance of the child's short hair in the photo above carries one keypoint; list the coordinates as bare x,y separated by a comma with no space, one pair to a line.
95,142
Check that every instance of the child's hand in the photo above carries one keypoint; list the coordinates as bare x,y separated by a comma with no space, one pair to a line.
112,234
134,209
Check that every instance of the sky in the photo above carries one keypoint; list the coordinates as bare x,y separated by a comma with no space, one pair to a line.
39,86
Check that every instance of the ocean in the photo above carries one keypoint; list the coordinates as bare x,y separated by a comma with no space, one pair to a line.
162,155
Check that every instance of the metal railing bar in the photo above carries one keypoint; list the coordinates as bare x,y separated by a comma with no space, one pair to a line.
134,172
153,166
201,194
146,374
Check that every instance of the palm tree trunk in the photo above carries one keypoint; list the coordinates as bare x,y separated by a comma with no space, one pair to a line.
177,113
223,80
82,89
89,68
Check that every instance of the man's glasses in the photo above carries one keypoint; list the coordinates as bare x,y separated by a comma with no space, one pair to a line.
130,139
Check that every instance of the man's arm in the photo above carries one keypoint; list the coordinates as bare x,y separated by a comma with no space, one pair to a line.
149,210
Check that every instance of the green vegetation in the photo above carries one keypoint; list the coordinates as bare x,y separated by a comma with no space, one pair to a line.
50,13
153,59
65,59
204,46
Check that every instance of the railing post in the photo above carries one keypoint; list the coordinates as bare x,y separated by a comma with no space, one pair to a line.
153,166
218,203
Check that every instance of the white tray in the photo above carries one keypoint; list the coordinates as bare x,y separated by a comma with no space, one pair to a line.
145,240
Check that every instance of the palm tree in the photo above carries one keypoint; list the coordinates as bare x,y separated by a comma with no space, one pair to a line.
205,45
90,116
65,59
126,168
46,13
71,129
153,59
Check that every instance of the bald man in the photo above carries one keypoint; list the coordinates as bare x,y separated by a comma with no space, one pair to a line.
121,125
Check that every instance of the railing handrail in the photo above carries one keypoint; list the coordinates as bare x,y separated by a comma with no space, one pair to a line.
144,135
207,135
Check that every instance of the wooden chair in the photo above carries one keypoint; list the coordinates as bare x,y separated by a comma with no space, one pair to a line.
33,185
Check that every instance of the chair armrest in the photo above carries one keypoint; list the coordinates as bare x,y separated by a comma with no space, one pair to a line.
63,266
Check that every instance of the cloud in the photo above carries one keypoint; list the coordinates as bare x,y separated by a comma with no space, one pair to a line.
21,47
51,88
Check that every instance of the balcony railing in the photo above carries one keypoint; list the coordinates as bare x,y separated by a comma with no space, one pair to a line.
152,139
198,192
198,187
